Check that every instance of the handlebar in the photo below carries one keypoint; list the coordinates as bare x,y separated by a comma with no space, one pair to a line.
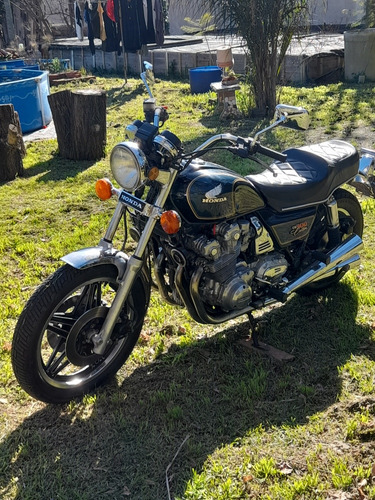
245,148
270,152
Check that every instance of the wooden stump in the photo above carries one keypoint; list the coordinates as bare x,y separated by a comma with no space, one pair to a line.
12,148
80,122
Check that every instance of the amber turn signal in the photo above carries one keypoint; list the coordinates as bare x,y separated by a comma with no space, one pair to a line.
170,222
103,189
153,174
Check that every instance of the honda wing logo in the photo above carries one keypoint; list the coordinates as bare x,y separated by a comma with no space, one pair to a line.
212,196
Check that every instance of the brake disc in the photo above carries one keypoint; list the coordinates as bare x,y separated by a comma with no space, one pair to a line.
79,344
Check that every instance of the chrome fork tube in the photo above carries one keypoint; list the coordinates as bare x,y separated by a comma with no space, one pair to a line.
113,225
134,265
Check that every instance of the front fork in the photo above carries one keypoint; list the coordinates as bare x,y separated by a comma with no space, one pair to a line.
134,264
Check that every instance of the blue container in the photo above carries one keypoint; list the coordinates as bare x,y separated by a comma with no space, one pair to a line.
17,64
28,91
201,78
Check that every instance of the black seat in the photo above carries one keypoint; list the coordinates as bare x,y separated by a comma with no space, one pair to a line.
309,176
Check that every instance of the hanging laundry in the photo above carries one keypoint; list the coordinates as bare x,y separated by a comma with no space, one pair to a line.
149,18
78,21
102,33
110,10
131,32
158,22
112,42
134,22
90,32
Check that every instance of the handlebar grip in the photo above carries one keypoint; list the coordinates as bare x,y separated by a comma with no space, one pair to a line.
270,152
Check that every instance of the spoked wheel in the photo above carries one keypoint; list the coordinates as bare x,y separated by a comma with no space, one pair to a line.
52,352
351,222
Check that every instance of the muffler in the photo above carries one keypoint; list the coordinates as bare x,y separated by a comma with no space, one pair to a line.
341,258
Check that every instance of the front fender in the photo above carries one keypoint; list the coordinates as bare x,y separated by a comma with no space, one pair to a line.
93,256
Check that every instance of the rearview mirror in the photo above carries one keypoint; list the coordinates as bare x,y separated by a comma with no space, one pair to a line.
293,117
148,77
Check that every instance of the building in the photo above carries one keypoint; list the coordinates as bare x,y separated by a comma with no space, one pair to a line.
338,13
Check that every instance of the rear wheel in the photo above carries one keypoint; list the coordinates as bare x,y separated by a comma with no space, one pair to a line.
52,352
351,222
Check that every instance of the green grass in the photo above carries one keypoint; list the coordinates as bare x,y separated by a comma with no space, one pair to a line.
222,421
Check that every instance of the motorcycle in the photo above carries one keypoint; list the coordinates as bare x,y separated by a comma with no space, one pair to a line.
219,244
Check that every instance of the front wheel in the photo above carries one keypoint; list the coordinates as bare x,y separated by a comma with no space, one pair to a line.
52,351
351,222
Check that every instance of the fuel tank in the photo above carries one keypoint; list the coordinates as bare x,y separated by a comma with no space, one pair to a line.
207,191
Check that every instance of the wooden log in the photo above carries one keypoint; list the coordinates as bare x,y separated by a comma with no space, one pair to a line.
12,147
80,123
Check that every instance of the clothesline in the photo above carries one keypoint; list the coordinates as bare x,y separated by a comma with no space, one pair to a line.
121,25
134,23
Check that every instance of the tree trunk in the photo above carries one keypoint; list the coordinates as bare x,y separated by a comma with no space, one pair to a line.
80,123
12,148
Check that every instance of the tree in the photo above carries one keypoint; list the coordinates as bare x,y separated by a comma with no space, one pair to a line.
267,26
25,21
8,21
370,13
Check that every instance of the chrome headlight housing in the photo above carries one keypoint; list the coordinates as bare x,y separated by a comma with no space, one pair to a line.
128,165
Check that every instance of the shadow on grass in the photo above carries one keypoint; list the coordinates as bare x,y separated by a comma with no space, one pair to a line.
120,443
58,168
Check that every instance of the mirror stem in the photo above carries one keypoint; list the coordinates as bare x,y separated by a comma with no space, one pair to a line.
282,119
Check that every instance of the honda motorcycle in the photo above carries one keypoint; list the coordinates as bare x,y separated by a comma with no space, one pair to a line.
217,243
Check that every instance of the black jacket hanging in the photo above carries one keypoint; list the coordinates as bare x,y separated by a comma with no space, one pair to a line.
90,31
130,25
112,42
150,31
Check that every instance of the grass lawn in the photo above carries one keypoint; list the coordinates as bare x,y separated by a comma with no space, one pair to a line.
193,405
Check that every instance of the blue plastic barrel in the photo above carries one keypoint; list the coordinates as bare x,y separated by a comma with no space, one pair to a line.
201,78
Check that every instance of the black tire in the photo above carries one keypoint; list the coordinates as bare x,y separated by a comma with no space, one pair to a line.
349,210
52,353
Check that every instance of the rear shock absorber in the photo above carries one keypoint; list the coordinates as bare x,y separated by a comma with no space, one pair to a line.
333,222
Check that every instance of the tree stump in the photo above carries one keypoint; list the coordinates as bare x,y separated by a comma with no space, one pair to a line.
80,122
12,148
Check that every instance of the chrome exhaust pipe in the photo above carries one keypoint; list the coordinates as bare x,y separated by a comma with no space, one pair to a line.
343,257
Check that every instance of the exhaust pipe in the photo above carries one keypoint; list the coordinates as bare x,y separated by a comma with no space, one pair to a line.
341,258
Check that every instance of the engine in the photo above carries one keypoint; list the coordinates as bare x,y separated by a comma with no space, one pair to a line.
238,259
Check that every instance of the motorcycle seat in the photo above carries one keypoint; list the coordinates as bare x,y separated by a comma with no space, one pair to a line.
309,175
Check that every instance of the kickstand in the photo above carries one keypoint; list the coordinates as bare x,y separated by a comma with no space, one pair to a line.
254,330
253,343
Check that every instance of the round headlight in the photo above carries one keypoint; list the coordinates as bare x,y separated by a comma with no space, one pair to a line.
127,165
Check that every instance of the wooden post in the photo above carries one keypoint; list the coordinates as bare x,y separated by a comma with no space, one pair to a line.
80,122
12,148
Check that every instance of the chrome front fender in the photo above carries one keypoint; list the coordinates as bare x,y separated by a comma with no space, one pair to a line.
93,256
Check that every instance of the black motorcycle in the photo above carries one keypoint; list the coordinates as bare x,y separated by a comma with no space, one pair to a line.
217,243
